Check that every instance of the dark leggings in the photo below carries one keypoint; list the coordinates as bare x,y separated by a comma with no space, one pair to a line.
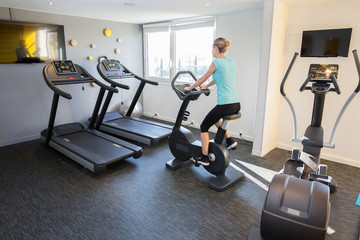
218,112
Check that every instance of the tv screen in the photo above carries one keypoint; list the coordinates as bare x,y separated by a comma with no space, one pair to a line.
22,42
326,43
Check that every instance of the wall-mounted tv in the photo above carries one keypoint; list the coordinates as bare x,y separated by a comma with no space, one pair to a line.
326,43
22,42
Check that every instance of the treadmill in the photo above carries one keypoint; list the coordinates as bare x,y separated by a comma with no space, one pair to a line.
91,148
118,124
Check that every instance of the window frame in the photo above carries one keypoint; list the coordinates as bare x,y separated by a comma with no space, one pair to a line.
173,27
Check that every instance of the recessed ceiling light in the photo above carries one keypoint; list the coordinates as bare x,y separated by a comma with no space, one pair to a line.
50,3
207,4
130,4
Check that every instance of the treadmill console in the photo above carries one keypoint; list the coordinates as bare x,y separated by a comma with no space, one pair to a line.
112,69
111,64
64,67
322,72
66,72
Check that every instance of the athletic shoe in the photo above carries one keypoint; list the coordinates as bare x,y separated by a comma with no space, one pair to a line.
201,160
231,143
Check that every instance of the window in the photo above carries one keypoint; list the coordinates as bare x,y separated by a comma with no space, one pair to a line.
193,50
158,54
178,46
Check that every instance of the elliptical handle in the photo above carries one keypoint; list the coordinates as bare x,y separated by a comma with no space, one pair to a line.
303,86
336,85
286,74
356,56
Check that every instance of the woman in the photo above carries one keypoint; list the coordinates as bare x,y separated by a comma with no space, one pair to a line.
224,76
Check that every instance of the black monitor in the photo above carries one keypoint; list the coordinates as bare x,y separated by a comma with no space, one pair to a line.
23,42
111,64
64,67
326,43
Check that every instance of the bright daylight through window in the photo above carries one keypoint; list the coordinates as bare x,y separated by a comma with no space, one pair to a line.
174,47
158,52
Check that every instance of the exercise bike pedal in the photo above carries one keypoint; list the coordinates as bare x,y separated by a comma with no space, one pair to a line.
195,162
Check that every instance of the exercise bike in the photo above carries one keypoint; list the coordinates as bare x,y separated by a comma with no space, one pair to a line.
184,146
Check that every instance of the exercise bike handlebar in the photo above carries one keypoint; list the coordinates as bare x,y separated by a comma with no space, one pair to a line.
185,95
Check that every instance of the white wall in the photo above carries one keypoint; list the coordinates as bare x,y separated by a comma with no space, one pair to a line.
243,29
315,16
272,57
25,98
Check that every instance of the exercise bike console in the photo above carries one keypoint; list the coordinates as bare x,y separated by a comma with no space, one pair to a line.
194,94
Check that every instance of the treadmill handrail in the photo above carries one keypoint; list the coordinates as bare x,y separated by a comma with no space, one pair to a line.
111,89
113,83
66,95
52,86
140,78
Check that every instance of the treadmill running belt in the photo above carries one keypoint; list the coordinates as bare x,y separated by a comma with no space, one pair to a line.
139,128
97,146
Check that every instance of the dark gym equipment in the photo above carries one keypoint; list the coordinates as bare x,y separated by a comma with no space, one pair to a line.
296,208
87,146
307,165
184,146
115,123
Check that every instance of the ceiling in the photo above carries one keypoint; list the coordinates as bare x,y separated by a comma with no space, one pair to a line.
138,11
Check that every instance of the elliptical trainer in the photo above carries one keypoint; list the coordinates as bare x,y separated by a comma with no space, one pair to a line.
294,207
307,165
184,146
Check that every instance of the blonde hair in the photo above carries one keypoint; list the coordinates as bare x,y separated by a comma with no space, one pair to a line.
222,44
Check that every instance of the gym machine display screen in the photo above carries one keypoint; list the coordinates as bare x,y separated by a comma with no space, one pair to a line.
64,67
324,71
111,64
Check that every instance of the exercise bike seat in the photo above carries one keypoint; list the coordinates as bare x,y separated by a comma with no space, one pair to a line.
232,117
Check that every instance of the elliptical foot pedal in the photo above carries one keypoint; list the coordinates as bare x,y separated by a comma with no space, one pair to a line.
294,168
325,179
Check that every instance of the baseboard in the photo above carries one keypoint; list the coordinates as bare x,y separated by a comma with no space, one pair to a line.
263,152
213,129
19,140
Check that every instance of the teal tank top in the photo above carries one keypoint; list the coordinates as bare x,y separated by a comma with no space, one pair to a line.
225,79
